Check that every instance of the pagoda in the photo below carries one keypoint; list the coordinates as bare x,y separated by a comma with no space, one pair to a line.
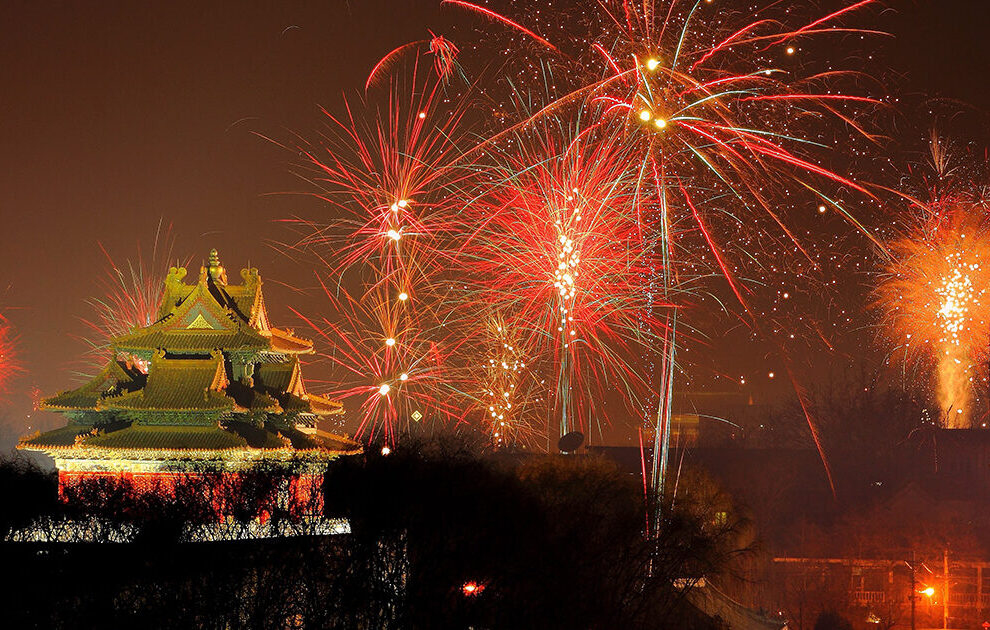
209,385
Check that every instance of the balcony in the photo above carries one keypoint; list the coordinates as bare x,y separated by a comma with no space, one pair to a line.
864,598
970,600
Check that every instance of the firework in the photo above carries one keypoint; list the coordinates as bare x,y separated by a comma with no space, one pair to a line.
9,363
387,170
934,294
398,376
719,130
558,245
652,158
936,303
509,394
444,54
131,292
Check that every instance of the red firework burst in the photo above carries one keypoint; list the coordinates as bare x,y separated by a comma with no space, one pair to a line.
559,245
131,293
9,363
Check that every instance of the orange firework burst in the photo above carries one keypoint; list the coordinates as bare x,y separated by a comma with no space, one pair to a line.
936,300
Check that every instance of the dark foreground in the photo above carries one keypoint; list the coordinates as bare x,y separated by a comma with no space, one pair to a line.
441,538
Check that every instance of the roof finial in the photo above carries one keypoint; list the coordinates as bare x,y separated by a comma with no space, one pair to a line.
217,272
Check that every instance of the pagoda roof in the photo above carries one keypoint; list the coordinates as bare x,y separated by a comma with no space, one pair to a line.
280,377
284,382
62,436
256,437
178,385
185,405
285,340
250,399
115,378
193,384
168,437
197,318
235,439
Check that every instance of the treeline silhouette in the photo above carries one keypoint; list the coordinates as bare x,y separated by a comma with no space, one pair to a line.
441,536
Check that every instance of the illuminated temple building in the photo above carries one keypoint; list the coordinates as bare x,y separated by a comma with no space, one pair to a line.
209,385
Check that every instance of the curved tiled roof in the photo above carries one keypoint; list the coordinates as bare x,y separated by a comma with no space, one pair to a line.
137,442
284,382
63,436
115,378
178,385
251,399
287,342
230,317
169,437
191,340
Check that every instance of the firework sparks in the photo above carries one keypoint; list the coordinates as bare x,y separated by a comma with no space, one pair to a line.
936,301
387,171
559,246
9,363
509,395
131,293
654,162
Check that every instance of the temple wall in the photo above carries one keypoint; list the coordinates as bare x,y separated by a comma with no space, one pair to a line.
220,494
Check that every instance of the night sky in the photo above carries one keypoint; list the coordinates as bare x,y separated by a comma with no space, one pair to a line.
117,115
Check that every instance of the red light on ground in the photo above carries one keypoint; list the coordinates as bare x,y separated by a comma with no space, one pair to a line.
470,589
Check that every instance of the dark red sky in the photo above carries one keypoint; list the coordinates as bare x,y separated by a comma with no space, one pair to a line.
116,114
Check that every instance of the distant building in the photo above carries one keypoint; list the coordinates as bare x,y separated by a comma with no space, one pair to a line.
210,385
877,593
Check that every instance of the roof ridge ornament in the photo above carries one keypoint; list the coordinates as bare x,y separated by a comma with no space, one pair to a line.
217,273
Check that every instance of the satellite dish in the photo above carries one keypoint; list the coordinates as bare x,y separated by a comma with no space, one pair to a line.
570,442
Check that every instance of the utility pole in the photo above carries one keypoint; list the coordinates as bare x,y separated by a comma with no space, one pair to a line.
914,594
945,588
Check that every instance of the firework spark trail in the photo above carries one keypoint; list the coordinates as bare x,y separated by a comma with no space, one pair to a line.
444,54
131,295
388,173
559,247
935,300
500,18
510,394
584,222
10,364
390,370
383,65
444,59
